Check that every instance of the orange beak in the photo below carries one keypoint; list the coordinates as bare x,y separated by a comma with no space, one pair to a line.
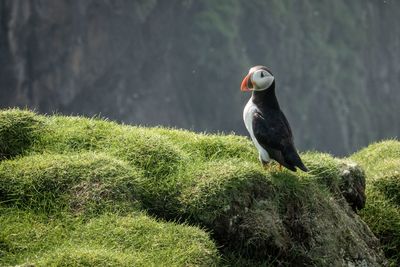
244,87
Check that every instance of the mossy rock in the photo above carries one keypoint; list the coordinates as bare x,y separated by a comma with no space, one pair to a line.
276,215
341,176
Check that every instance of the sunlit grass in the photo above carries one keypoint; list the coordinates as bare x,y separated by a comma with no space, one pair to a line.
91,192
106,240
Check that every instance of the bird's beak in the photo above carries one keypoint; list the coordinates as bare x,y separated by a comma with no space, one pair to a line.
246,83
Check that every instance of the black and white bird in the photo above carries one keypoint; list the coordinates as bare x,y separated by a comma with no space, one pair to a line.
267,125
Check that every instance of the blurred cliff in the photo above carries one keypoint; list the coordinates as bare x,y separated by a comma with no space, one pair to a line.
180,63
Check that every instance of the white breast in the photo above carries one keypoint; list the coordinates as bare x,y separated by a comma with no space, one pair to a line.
248,112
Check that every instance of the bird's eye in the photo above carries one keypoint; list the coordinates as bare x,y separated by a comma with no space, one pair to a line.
262,74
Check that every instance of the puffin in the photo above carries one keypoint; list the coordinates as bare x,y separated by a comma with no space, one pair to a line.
267,125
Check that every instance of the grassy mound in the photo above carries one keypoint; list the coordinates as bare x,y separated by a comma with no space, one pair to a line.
51,183
107,240
382,212
90,174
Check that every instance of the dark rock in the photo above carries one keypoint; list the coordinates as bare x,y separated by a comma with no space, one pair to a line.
352,185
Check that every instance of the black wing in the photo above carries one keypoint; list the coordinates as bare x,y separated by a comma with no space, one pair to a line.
274,135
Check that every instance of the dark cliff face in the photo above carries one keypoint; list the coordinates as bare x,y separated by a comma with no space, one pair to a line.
180,63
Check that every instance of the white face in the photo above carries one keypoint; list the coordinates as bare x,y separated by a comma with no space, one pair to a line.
261,79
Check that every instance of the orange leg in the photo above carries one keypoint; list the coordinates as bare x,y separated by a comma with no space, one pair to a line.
271,167
266,166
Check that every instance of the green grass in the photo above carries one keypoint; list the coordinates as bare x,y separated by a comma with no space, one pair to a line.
88,192
18,131
106,240
382,212
86,182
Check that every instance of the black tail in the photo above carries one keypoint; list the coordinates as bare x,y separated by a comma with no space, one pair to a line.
302,166
293,159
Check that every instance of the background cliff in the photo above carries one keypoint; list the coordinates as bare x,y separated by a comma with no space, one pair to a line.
180,63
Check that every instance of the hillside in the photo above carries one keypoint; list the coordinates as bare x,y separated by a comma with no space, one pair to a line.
81,192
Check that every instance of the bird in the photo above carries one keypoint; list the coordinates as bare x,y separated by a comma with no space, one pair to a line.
267,125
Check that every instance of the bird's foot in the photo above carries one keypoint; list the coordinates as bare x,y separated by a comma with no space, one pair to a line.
270,167
266,166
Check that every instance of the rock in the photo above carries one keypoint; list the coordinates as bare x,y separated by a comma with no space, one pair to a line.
352,185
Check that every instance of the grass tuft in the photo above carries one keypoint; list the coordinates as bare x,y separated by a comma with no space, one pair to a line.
19,130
